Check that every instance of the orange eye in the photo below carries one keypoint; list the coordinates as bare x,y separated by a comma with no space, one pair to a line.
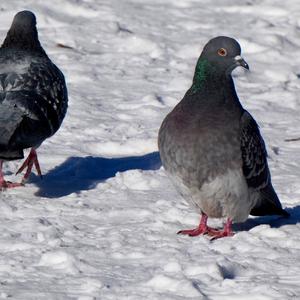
222,52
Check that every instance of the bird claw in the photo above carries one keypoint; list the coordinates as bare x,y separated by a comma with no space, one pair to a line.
29,162
202,230
192,232
212,232
221,234
225,232
8,185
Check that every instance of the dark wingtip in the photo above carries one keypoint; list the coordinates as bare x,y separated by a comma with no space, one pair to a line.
285,214
265,210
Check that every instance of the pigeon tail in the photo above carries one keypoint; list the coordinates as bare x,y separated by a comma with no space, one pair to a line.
269,204
23,34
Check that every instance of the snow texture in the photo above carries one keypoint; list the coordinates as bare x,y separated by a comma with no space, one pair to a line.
102,223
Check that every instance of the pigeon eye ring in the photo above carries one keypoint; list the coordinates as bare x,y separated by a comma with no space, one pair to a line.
222,52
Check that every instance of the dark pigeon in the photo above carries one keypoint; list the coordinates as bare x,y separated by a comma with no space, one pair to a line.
212,148
33,95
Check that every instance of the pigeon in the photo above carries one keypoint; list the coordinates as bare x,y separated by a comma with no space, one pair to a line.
212,149
33,96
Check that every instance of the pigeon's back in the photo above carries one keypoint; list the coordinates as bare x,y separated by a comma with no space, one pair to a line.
33,93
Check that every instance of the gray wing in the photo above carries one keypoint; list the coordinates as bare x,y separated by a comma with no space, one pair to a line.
41,91
41,94
256,170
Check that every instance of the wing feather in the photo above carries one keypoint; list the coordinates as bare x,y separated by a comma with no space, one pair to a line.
256,169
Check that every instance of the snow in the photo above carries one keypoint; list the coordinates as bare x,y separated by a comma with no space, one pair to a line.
102,223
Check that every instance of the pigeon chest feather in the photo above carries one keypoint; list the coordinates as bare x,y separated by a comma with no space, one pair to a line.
200,148
226,195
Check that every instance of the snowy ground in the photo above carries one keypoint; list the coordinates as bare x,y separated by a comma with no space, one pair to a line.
102,223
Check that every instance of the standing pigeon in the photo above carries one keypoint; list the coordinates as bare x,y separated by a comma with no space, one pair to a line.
212,148
33,95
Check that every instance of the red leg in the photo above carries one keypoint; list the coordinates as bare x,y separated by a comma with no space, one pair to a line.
227,231
29,162
6,184
201,229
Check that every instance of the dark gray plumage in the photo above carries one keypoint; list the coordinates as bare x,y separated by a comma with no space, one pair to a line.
33,93
212,148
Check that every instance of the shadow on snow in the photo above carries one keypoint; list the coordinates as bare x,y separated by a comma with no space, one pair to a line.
84,173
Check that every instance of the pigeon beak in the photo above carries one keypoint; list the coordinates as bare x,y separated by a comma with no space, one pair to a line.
241,62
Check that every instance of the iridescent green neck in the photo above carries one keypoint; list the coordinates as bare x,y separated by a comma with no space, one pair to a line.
204,69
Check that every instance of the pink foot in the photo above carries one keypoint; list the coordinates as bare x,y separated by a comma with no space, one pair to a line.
204,229
201,229
227,231
29,162
6,184
198,231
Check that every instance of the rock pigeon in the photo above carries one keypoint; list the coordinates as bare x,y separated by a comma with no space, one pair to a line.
212,147
33,95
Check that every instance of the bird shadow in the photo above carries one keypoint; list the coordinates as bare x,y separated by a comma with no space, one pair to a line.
272,221
83,173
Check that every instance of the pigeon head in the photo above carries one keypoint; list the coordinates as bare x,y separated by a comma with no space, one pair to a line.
23,34
220,56
24,19
224,54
